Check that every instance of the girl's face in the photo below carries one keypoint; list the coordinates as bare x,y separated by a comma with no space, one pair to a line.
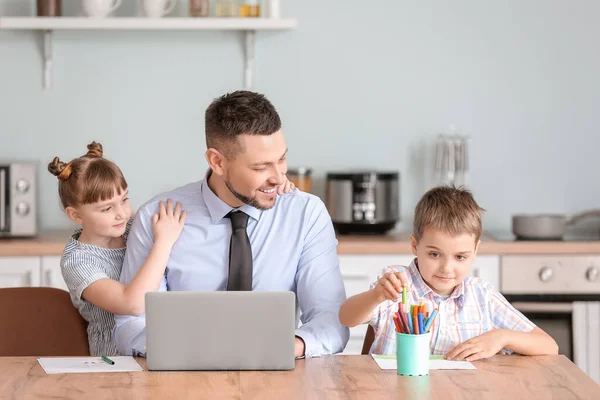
104,218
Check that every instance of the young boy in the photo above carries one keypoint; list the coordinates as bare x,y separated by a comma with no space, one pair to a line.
474,321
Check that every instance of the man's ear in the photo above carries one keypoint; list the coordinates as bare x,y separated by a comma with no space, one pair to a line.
73,215
216,161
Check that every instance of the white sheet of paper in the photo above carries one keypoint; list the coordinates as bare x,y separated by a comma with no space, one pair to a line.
80,365
389,362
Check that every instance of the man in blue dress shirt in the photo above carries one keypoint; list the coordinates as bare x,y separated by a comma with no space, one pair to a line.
292,240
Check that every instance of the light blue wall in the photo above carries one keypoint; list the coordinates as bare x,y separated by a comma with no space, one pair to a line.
358,84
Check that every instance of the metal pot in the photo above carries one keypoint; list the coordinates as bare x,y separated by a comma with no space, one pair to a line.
546,226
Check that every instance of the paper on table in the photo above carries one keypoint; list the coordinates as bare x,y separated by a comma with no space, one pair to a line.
388,361
76,365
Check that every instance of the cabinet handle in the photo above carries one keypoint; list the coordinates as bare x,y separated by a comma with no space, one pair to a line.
2,200
546,274
48,278
540,307
592,274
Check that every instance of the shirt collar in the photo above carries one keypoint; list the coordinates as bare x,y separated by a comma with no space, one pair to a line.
217,208
421,288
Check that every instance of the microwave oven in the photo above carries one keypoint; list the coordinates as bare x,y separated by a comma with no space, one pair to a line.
18,199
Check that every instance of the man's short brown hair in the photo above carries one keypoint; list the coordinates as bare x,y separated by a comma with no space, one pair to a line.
238,113
449,209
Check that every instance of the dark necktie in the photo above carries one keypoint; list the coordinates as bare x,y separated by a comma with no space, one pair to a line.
240,253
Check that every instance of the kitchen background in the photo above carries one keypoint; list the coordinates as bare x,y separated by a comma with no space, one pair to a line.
358,85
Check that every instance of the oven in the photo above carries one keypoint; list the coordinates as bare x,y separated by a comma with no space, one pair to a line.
18,202
560,294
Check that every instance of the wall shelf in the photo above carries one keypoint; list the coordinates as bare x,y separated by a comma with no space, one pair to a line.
47,25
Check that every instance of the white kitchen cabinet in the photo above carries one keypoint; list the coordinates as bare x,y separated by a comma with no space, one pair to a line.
19,271
359,271
487,267
31,271
50,274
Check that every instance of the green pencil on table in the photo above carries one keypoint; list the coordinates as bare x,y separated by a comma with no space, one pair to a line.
108,360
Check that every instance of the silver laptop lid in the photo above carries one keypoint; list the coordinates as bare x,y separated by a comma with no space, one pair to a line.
220,330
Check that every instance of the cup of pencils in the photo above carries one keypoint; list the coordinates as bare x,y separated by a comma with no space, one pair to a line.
413,324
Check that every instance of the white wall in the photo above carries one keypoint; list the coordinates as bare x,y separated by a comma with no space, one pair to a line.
358,84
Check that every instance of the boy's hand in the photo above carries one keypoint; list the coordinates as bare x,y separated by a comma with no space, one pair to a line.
168,223
482,346
285,187
389,287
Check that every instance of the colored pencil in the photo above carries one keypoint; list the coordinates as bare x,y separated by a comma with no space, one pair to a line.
430,320
395,318
416,324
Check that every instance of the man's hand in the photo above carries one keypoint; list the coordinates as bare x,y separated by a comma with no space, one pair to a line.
482,346
300,347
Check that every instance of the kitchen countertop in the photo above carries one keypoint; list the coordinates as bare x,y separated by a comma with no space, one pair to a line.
399,243
53,243
44,244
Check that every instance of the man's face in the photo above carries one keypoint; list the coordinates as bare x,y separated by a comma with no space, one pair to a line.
256,171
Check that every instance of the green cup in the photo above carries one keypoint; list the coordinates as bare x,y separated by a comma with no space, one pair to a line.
412,354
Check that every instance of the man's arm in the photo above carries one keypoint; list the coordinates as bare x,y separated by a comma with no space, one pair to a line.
129,333
320,288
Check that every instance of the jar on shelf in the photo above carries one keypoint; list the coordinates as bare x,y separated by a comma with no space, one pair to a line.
226,8
273,9
301,177
48,8
250,9
199,8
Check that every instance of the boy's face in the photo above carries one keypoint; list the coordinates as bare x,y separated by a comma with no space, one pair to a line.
444,260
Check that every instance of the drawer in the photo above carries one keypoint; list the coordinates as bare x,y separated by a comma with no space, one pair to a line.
360,271
19,271
373,264
356,284
550,274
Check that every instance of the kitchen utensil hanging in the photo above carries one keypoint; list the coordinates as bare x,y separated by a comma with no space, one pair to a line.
452,160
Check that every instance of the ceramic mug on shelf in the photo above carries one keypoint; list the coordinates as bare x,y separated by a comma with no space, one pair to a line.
157,8
99,8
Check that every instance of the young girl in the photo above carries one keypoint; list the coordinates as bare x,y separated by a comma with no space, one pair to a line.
94,194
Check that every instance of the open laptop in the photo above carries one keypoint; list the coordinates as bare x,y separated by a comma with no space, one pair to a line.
220,331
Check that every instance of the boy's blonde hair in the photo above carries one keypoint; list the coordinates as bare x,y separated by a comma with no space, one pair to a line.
449,209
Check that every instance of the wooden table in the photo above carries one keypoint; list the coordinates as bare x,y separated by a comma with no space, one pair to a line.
332,377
